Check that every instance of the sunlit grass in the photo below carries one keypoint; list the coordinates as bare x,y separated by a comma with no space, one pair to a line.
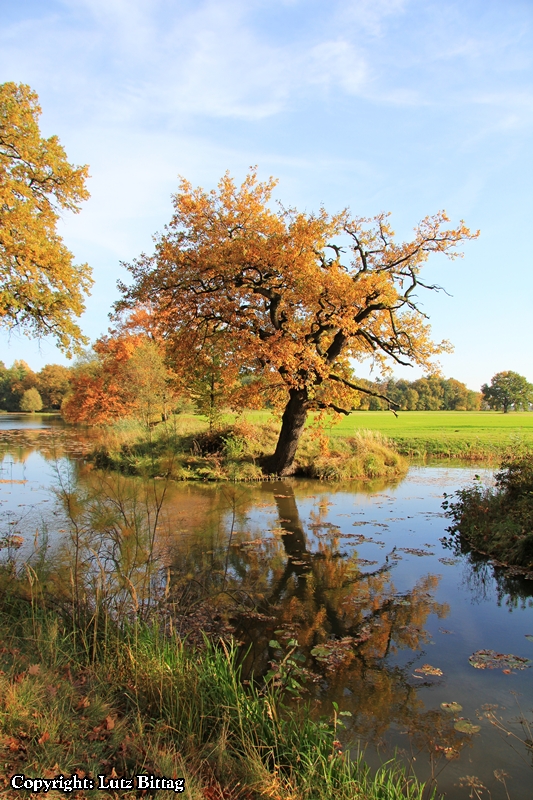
466,434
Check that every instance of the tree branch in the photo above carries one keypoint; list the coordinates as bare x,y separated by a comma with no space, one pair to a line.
363,389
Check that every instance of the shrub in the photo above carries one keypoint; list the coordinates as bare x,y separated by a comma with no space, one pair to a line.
497,521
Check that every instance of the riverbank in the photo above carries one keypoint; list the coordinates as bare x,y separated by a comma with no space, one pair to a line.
366,444
469,435
82,696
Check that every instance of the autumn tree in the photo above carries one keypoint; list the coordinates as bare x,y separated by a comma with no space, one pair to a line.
123,376
14,381
508,390
99,392
294,295
149,383
41,289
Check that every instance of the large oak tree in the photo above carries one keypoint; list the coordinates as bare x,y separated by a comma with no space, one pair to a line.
508,390
292,296
41,290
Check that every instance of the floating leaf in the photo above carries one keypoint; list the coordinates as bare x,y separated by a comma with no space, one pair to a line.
529,636
320,652
416,551
453,708
427,669
451,753
465,726
490,659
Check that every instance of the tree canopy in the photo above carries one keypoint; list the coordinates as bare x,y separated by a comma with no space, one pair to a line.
508,390
41,289
292,296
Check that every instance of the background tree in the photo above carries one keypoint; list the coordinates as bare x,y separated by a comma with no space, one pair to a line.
41,289
288,302
99,392
13,383
149,383
426,394
508,390
53,383
31,401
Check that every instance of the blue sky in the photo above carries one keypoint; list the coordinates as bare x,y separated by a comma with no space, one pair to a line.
407,106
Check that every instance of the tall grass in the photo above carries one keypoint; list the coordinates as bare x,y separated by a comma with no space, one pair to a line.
150,703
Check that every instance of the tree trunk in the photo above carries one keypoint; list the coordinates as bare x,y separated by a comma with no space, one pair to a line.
292,424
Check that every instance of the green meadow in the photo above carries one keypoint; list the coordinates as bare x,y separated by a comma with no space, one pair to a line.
468,434
443,434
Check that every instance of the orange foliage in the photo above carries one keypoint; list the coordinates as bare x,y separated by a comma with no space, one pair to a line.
42,290
98,391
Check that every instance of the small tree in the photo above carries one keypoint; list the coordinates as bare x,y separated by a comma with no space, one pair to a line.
31,401
508,390
149,383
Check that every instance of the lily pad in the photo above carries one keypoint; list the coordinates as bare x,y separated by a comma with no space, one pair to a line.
453,708
490,659
427,669
465,726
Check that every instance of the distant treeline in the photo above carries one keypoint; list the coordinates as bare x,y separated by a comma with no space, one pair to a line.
425,394
52,383
432,393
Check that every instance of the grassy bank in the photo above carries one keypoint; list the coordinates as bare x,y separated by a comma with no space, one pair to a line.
183,449
366,444
91,698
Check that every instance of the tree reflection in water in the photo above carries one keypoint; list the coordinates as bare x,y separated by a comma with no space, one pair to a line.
349,620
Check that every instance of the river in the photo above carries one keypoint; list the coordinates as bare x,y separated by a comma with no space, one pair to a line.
385,613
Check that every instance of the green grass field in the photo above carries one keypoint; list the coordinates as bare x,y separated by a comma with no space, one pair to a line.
463,434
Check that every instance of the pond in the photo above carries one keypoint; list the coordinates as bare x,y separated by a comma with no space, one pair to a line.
384,613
